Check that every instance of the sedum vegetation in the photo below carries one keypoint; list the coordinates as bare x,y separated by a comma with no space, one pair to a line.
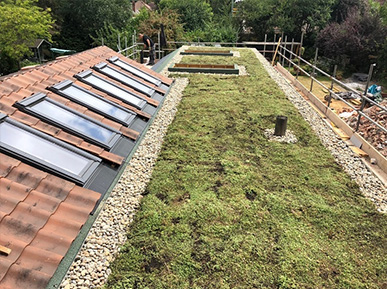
226,208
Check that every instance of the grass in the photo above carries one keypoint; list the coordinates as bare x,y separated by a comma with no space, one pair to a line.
226,208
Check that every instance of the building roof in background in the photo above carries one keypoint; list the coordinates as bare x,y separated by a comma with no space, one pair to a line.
65,129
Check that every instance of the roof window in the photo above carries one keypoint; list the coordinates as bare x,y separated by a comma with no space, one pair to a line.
134,70
70,120
121,77
110,88
49,153
94,102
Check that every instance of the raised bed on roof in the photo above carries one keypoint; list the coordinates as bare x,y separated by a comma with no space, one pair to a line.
204,68
206,52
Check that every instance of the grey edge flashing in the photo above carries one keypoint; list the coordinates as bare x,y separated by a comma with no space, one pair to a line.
204,68
69,258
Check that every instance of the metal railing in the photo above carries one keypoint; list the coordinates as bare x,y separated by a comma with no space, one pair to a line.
283,51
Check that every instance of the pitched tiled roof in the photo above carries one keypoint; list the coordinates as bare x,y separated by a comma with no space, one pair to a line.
42,210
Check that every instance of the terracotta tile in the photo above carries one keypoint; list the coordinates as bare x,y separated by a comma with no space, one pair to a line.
25,118
58,78
62,226
10,197
11,86
90,148
67,75
18,191
18,81
40,260
55,187
47,240
5,90
27,175
43,201
130,133
49,82
82,84
7,109
11,228
58,98
23,93
111,123
152,101
32,215
74,213
83,197
33,75
112,157
47,128
19,277
4,266
16,247
69,138
7,164
77,107
41,74
8,101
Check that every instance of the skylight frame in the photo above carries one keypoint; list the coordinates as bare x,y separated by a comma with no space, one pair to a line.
29,104
133,83
81,178
134,70
83,76
61,87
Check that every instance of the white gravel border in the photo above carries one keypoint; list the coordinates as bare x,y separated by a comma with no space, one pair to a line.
91,266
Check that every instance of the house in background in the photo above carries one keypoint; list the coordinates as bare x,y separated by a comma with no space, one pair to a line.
138,5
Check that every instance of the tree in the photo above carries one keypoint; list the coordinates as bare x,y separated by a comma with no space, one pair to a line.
291,16
21,23
194,14
354,41
173,29
79,20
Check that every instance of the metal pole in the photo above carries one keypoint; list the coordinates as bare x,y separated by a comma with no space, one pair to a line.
126,46
291,49
363,103
158,38
284,51
330,91
133,48
119,42
264,46
299,53
314,69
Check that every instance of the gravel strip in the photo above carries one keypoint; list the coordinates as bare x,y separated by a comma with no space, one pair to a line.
289,136
370,186
91,266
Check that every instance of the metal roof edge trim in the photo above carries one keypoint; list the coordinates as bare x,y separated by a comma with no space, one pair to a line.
77,244
165,63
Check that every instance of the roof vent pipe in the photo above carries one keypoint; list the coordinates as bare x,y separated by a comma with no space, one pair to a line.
280,125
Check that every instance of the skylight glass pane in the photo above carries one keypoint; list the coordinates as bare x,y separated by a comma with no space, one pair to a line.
73,121
129,81
115,90
137,72
42,149
101,105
